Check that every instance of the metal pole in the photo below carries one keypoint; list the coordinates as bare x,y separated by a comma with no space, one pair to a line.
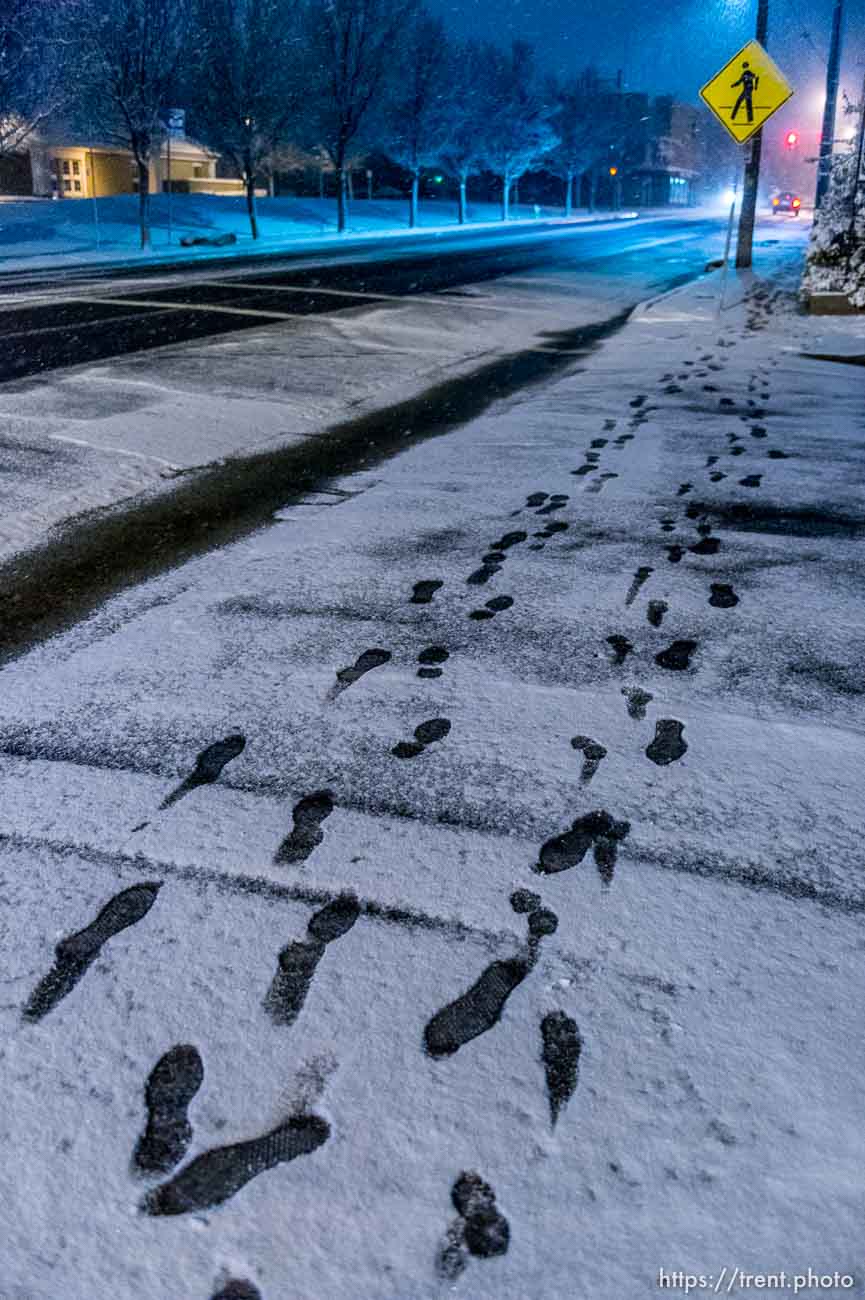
748,210
93,197
727,253
168,168
827,135
860,158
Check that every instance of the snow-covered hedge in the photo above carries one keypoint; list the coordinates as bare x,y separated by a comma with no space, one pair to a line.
836,253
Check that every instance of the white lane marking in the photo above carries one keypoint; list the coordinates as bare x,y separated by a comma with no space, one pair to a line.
114,451
184,306
441,300
78,325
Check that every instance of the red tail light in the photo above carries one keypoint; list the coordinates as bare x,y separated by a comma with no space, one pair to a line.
797,203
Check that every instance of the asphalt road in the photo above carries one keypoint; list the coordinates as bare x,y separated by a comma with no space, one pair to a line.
79,320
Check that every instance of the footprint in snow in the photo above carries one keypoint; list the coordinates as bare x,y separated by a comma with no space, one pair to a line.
493,607
306,833
237,1288
364,663
677,657
560,1053
480,1008
298,961
597,831
621,647
208,766
480,1230
426,734
593,754
656,611
668,744
76,954
171,1086
723,596
218,1174
429,658
424,591
637,701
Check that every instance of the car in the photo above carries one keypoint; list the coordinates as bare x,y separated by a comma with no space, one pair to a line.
786,203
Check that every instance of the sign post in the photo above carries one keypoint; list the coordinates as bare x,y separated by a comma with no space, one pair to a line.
743,96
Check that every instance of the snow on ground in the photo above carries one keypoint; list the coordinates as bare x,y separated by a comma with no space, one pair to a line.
709,967
92,435
38,233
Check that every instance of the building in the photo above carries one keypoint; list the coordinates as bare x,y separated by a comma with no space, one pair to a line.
79,169
66,165
668,172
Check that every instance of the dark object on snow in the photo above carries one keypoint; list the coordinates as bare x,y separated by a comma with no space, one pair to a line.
173,1082
218,1174
75,954
486,1231
669,743
214,241
561,1057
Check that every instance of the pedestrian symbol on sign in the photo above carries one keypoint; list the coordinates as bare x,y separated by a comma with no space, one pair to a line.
746,91
749,81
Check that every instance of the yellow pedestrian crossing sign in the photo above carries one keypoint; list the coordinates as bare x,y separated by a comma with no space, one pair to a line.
747,91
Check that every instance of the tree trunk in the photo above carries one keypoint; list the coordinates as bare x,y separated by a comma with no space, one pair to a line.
517,190
593,181
144,202
413,202
577,186
506,198
271,185
350,184
321,182
568,185
341,207
249,181
462,201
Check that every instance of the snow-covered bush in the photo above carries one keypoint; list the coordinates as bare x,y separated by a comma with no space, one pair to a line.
836,253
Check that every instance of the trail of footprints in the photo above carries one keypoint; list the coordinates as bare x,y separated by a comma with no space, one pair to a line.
215,1175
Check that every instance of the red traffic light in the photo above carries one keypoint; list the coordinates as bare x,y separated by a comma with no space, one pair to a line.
791,139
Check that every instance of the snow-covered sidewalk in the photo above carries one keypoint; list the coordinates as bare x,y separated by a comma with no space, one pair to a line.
564,708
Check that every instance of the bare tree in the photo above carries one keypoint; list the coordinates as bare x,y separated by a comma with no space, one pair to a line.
244,90
416,120
129,54
462,153
32,43
351,44
518,132
578,146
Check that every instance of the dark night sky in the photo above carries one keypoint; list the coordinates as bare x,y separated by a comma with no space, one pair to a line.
673,46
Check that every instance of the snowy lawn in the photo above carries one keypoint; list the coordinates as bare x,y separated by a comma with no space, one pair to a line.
38,233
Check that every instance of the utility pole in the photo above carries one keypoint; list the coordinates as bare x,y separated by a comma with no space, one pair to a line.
748,210
827,135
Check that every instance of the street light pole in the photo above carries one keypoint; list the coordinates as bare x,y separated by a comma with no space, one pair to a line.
748,211
827,135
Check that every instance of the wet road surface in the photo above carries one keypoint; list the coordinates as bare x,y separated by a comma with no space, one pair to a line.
98,320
